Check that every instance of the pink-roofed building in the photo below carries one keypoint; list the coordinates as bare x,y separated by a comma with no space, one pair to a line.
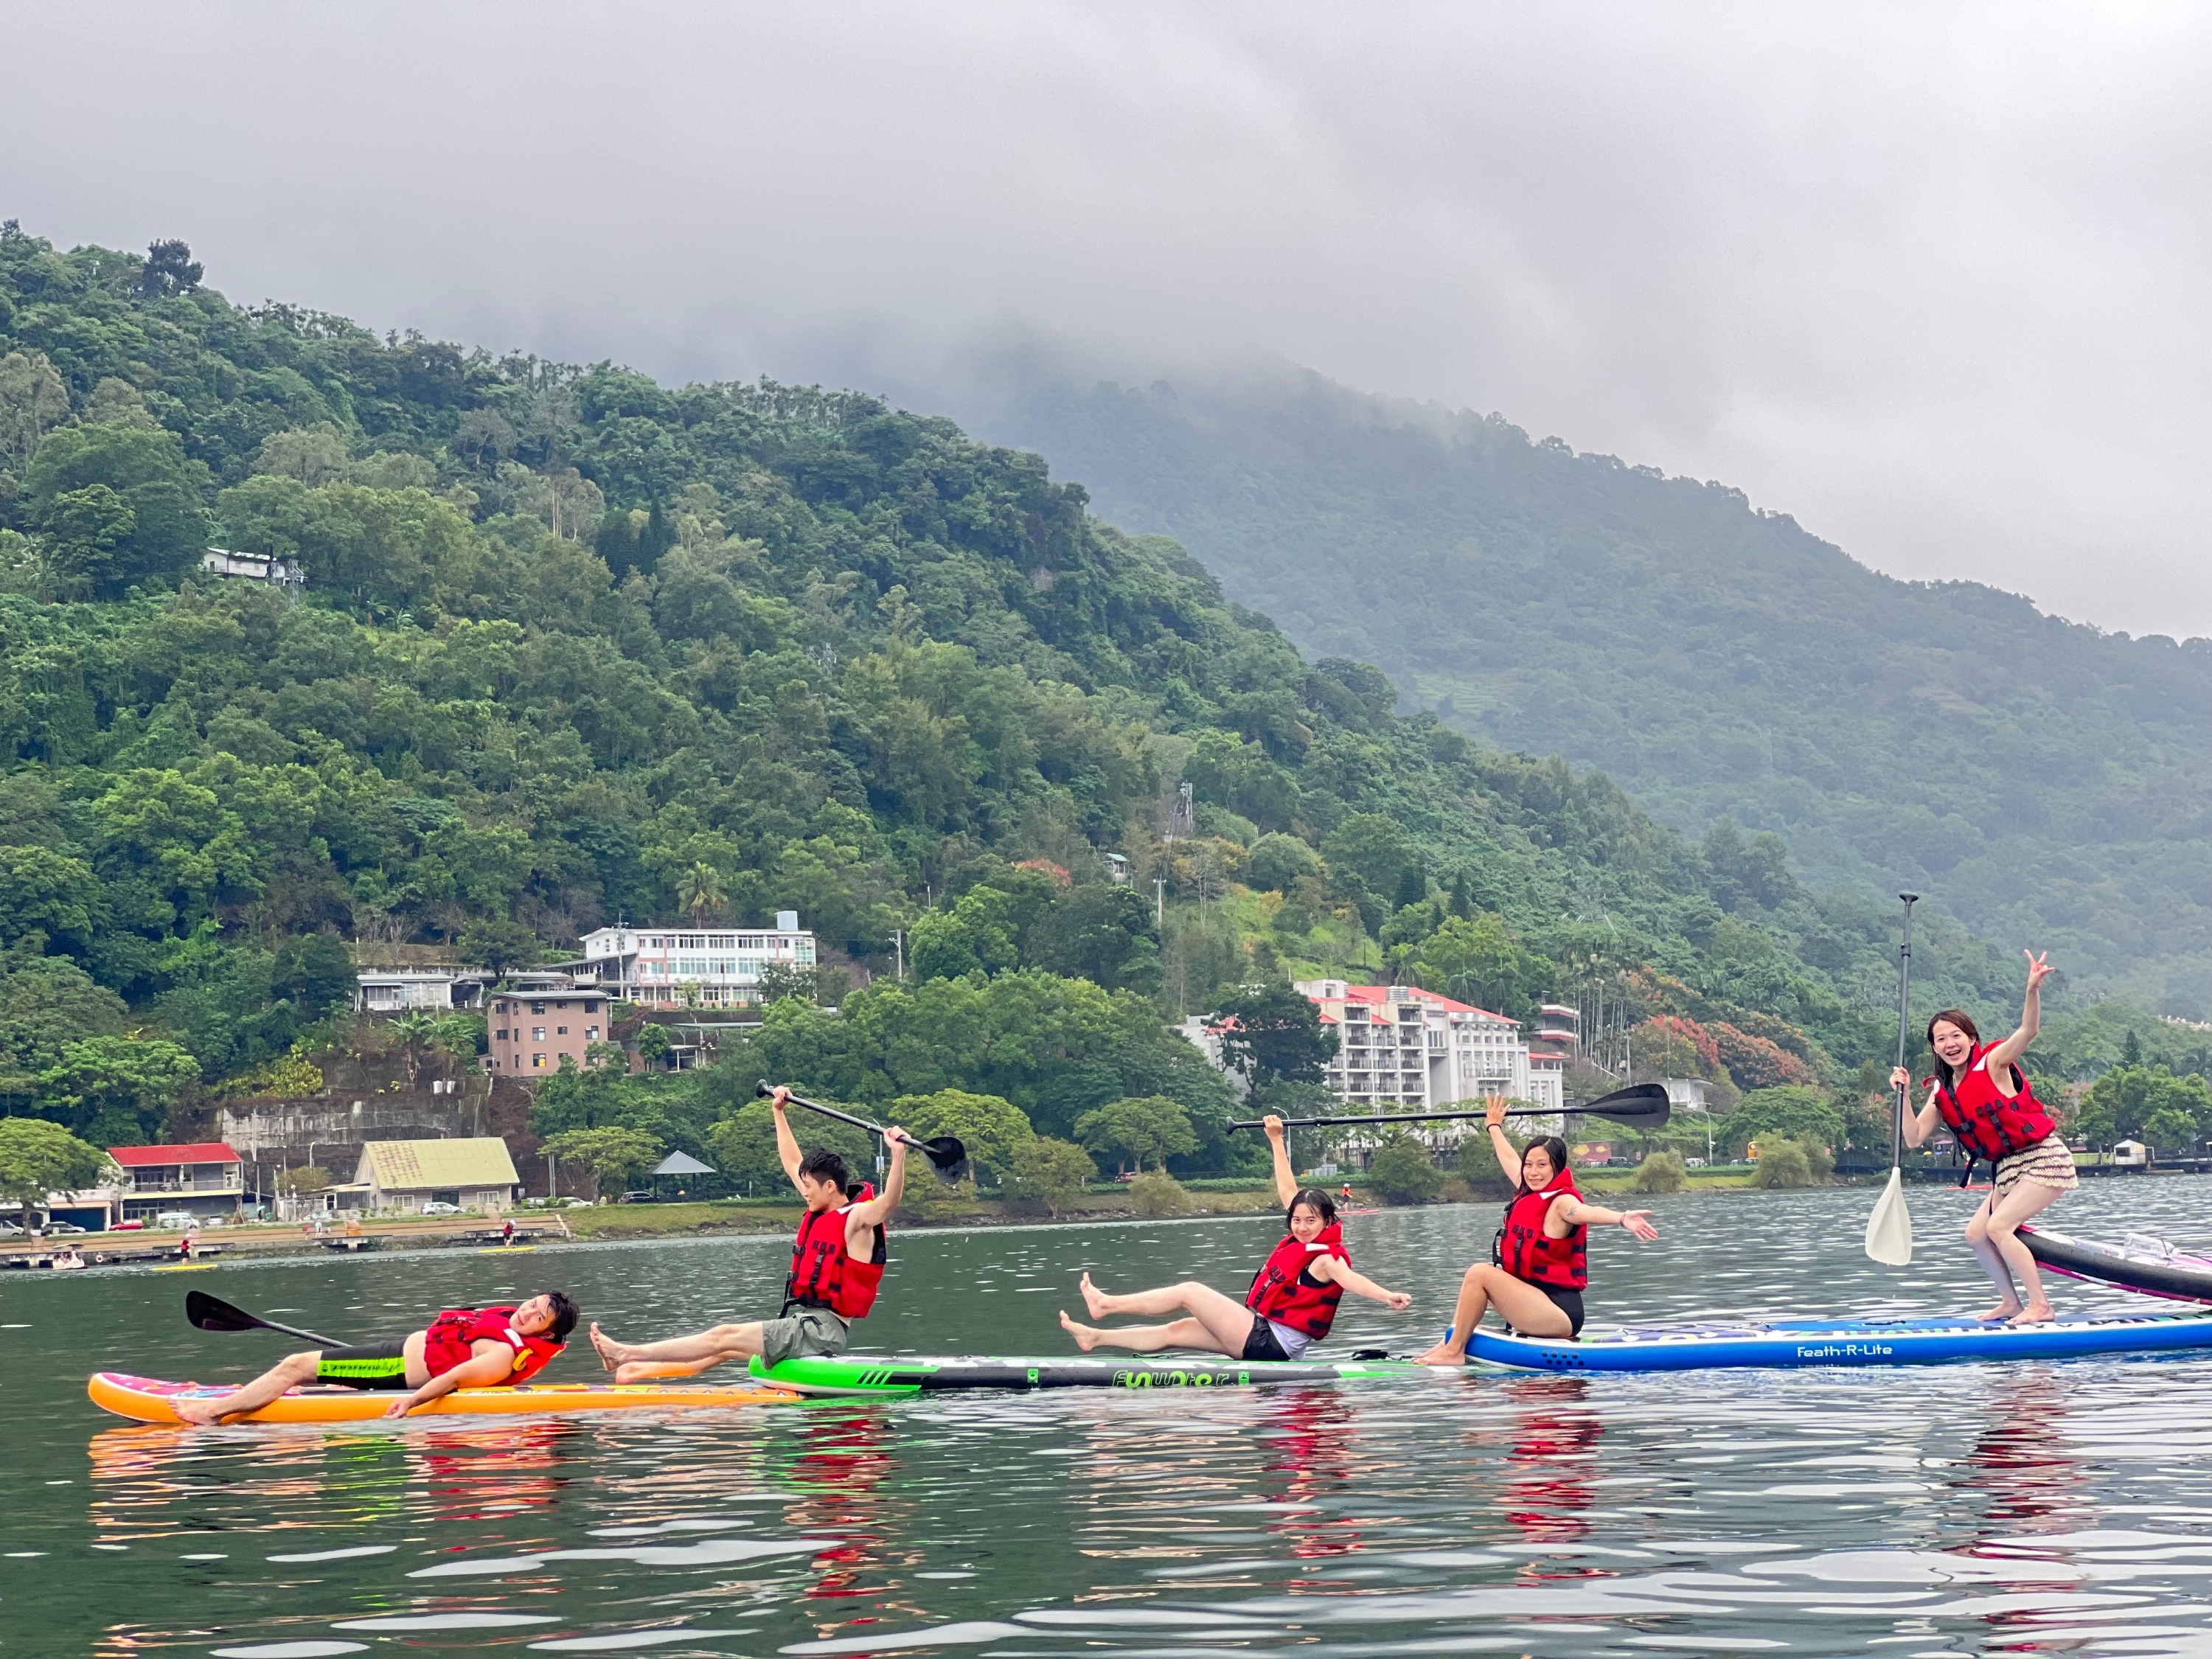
1399,1045
204,1178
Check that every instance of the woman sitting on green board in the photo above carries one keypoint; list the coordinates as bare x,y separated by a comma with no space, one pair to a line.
1984,1097
1291,1303
1539,1265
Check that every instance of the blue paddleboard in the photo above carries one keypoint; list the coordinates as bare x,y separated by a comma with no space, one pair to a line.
1793,1342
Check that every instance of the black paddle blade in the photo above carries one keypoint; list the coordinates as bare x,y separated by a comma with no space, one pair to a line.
1641,1106
946,1155
210,1313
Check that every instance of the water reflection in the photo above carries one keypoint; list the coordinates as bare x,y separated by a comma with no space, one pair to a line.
1968,1510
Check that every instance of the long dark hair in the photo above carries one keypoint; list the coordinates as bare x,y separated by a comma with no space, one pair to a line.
1965,1022
1315,1200
1554,1148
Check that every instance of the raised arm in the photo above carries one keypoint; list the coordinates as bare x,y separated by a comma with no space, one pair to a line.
1279,1141
787,1144
878,1210
1509,1155
2030,1017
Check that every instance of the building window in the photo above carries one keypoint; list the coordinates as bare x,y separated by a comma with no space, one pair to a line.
538,1061
537,1007
538,1033
591,1034
562,1030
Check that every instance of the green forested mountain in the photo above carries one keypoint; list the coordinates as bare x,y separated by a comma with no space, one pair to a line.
575,645
2046,783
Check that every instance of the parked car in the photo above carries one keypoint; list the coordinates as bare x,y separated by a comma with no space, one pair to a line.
635,1198
436,1207
175,1220
10,1229
56,1228
132,1226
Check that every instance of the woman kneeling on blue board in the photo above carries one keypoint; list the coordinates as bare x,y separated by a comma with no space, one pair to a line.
1984,1099
1291,1303
1539,1265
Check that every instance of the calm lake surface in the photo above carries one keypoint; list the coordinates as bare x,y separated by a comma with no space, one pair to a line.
1961,1510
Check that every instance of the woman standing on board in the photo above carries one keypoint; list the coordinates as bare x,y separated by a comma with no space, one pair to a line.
1981,1094
1538,1265
1291,1303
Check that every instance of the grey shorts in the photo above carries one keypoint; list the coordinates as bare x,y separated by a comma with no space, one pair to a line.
804,1333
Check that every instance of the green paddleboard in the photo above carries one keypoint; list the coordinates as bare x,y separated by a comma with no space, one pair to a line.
879,1374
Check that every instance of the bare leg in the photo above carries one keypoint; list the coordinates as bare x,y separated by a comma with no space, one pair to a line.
288,1372
1151,1338
1225,1323
679,1355
2027,1199
1526,1308
1993,1261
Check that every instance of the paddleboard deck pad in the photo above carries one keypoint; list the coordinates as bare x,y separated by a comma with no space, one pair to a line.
881,1375
2137,1262
1789,1343
148,1400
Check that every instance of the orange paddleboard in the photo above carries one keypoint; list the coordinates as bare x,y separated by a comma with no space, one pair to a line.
147,1400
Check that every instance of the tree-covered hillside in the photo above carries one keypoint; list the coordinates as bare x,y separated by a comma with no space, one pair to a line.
574,646
2045,782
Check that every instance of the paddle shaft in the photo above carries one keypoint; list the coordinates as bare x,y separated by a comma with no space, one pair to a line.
945,1152
200,1308
1627,1115
1904,1025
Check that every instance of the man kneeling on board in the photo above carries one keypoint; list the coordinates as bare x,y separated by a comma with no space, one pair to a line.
837,1263
461,1348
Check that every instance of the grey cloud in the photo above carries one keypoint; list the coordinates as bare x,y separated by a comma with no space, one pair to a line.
1929,277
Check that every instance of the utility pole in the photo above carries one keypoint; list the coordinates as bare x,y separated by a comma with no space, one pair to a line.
898,944
1160,903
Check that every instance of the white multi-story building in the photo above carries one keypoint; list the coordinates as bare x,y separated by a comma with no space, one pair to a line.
691,967
1398,1045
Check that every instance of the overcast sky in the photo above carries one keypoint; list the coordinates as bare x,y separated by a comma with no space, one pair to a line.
1930,278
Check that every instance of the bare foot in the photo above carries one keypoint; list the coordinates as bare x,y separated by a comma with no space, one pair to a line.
1085,1338
1443,1354
1093,1298
612,1354
2035,1313
206,1413
2006,1310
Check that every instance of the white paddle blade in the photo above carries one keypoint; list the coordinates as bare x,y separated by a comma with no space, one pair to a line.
1889,1229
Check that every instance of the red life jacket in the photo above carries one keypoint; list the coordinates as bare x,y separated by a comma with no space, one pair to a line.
451,1336
823,1274
1989,1126
1285,1291
1526,1251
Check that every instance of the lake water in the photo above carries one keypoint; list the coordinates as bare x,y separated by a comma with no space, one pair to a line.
1961,1510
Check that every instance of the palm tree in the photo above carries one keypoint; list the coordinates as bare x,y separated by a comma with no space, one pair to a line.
701,892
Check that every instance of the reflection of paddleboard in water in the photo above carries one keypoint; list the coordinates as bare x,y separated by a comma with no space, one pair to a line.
147,1399
2137,1262
1789,1343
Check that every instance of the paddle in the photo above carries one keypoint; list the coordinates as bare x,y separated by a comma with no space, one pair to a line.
1640,1106
946,1153
211,1313
1889,1229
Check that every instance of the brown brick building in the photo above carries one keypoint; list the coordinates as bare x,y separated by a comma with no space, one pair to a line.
534,1026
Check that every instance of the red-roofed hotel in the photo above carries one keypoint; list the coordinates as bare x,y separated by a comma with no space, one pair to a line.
1398,1045
206,1178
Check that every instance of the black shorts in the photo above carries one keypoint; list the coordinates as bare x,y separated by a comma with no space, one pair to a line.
1261,1344
1568,1303
370,1366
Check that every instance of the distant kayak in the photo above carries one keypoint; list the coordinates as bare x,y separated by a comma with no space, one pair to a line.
2137,1262
147,1400
876,1374
1792,1343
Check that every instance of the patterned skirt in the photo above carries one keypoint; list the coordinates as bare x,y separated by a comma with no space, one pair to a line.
2046,1164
